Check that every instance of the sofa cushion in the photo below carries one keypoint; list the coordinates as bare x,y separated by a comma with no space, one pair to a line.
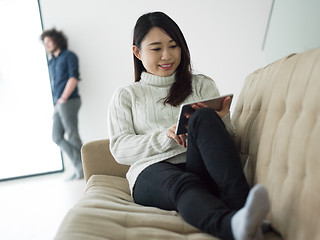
277,119
107,211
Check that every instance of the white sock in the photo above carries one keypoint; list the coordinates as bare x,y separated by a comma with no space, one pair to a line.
246,223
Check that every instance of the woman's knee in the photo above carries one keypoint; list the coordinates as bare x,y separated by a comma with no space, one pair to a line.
204,112
204,115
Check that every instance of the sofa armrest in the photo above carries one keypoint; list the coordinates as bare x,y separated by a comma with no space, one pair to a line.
98,160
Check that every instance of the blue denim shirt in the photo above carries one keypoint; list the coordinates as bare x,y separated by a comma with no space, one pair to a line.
61,69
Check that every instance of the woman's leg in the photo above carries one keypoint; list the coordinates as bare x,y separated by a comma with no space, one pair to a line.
172,187
169,187
212,154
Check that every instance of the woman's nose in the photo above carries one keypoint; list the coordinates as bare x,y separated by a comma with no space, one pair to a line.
165,55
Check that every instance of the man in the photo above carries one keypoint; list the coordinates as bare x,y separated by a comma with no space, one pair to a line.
64,77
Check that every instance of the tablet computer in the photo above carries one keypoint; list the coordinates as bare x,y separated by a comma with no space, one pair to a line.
214,103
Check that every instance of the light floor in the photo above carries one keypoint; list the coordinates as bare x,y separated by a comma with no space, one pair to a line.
33,208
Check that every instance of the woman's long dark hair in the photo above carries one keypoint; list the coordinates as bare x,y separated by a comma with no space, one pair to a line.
182,87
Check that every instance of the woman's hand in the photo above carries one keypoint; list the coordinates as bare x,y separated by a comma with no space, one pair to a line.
225,108
180,139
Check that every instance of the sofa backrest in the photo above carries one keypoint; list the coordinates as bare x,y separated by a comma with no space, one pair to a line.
277,119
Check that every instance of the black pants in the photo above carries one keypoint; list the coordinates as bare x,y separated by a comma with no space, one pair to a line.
209,188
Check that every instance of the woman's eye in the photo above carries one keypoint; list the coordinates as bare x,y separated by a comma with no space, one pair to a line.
156,49
174,46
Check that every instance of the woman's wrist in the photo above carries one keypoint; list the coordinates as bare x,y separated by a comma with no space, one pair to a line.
225,116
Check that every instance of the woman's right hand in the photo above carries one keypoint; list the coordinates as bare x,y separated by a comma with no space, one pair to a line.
180,139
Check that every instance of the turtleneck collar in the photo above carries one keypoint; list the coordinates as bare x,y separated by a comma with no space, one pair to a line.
157,81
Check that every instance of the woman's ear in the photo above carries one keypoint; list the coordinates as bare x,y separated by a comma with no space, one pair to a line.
136,51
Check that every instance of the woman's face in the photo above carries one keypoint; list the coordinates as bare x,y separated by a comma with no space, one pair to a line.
160,55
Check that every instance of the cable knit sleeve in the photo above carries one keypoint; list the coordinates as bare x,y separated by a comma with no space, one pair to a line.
126,145
208,89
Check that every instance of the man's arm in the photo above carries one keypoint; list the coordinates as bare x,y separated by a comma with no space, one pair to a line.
69,88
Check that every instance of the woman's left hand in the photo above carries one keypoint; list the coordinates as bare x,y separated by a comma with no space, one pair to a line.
225,108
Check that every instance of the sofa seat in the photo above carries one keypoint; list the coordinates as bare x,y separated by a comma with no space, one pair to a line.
107,211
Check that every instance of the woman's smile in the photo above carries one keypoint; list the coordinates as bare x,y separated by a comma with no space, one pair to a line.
167,66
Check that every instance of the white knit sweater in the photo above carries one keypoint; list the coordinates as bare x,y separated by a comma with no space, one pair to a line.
138,121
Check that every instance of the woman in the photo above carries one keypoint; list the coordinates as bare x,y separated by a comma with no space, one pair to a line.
198,174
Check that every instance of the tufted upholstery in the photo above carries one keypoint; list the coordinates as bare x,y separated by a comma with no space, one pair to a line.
107,211
277,120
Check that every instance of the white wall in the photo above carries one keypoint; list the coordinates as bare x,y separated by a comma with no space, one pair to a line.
294,27
224,37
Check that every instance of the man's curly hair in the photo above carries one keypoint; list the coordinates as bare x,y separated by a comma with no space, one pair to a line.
57,37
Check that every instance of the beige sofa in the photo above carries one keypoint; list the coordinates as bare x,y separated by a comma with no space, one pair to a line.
277,119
